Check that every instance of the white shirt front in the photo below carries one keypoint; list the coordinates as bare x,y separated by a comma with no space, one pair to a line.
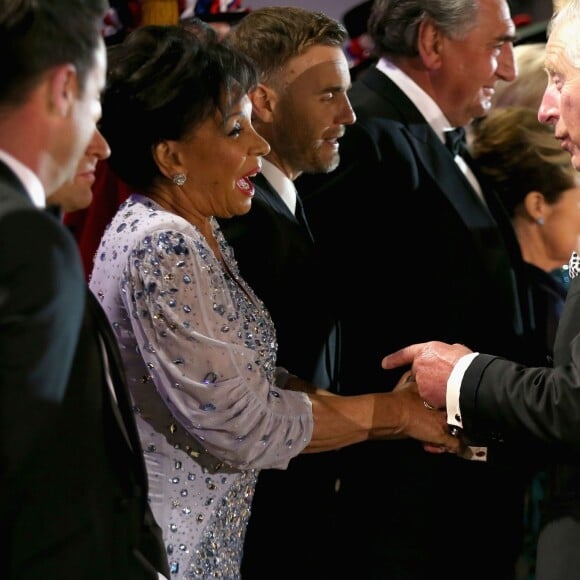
283,185
439,123
430,110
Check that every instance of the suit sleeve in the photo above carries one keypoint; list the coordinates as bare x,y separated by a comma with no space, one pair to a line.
501,400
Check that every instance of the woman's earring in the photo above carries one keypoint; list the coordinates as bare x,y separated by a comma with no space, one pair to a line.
539,221
179,179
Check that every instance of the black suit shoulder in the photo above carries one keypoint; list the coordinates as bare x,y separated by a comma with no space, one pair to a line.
415,256
41,301
66,466
277,257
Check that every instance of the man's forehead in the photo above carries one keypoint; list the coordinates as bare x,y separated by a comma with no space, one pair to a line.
555,54
315,59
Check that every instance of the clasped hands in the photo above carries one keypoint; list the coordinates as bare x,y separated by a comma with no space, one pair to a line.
426,383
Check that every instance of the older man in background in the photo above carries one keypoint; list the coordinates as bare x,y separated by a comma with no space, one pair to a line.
490,397
454,271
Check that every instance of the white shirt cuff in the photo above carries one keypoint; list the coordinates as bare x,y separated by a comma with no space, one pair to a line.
453,388
452,401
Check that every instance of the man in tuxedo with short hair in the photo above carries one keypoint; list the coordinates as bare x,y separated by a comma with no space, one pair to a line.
73,490
419,247
490,397
300,107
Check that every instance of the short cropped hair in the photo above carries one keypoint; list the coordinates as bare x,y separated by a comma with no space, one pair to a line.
272,36
37,35
162,82
394,24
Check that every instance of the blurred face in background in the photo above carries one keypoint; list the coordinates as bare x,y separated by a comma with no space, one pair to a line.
77,193
78,125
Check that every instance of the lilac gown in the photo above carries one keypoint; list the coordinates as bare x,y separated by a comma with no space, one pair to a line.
200,353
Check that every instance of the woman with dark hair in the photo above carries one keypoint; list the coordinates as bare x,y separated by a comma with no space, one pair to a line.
199,346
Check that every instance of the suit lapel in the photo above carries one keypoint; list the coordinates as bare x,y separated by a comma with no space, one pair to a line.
269,196
432,153
493,238
9,179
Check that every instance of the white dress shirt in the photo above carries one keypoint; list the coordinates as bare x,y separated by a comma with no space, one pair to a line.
283,185
430,110
452,401
440,124
29,179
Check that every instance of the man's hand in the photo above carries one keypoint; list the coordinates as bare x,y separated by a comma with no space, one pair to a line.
431,364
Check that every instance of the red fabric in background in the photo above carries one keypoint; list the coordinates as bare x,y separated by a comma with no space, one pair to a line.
88,225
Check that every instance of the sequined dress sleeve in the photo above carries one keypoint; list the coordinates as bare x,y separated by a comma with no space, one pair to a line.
196,340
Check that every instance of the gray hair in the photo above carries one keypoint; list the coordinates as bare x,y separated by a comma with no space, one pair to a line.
567,16
394,24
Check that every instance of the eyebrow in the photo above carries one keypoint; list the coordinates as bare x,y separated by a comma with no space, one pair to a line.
335,89
507,38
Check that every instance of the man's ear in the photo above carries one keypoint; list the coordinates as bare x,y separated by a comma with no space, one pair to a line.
264,101
430,42
64,89
167,156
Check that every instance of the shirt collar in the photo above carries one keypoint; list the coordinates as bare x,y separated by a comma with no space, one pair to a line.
283,185
29,179
426,105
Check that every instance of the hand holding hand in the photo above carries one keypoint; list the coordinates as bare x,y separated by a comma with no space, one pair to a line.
431,364
419,422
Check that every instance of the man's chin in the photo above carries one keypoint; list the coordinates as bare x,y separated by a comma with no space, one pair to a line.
481,109
324,165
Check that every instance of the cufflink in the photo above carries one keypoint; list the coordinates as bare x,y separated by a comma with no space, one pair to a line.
454,431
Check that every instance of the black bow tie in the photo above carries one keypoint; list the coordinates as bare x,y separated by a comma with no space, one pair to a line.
455,141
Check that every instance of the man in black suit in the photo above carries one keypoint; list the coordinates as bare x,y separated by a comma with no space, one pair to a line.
489,397
73,492
419,247
300,107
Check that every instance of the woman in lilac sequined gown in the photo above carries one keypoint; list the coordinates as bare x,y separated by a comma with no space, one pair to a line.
199,347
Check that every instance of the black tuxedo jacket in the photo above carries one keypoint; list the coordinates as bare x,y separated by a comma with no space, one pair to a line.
417,256
277,257
500,398
73,489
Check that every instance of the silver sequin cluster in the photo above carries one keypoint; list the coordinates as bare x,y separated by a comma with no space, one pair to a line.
574,265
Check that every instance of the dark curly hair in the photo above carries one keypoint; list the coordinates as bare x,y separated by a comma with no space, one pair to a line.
162,82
